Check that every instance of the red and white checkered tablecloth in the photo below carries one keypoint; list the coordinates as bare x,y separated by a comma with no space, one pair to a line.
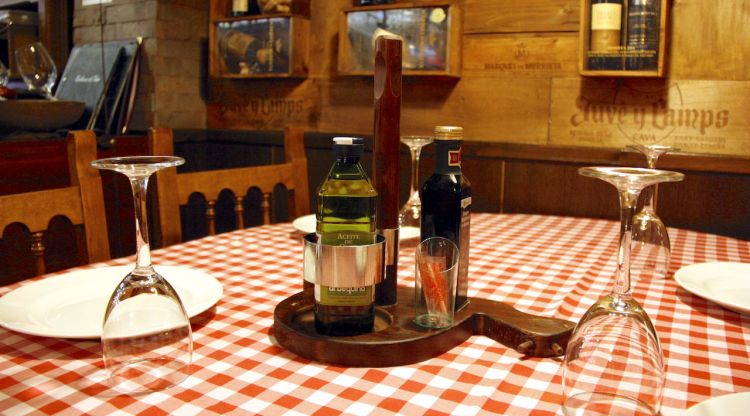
546,265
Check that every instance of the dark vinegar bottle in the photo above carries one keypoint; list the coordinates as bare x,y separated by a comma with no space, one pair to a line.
446,202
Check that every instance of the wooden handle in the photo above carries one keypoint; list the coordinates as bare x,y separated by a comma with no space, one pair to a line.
397,340
385,156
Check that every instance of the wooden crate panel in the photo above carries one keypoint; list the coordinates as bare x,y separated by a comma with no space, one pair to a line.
502,16
695,116
489,109
535,56
347,105
710,40
261,104
505,109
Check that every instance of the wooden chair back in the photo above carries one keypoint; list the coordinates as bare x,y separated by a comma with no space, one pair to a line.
82,203
175,189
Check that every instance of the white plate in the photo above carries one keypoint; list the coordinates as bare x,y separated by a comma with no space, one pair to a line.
306,224
726,283
71,305
730,404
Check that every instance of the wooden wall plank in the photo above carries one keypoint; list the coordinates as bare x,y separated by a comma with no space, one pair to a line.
695,116
503,16
500,109
710,40
515,56
505,109
262,104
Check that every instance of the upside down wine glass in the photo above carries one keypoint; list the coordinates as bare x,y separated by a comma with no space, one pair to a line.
37,68
613,363
651,247
146,335
411,212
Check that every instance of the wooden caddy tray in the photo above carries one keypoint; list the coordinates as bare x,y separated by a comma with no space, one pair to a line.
397,340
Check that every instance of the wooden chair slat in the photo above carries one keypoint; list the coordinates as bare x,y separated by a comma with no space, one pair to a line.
82,203
175,189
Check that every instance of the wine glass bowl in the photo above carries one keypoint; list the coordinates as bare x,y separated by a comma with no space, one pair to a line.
411,213
37,68
146,335
4,75
651,245
613,362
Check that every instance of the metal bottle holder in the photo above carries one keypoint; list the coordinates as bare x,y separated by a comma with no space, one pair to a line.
342,266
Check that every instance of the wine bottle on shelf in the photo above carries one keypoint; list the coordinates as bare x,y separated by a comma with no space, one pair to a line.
446,202
346,216
240,8
606,31
642,35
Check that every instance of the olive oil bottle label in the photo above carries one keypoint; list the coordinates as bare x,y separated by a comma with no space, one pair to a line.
347,237
344,296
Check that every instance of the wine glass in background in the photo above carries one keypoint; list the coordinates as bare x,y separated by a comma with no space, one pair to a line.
37,68
651,247
146,336
613,362
411,213
4,74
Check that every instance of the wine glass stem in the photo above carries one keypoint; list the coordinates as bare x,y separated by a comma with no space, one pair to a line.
628,198
414,170
143,252
649,205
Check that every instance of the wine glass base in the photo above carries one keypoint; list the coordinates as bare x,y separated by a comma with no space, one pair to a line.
142,376
605,404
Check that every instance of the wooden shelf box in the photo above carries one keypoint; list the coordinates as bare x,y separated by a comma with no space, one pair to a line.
258,46
628,40
264,46
431,33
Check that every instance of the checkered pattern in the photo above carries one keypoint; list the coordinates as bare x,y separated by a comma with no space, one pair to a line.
552,266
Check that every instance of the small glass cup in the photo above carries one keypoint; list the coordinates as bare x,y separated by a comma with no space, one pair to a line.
436,274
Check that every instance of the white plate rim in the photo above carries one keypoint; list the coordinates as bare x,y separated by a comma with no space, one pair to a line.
203,287
687,278
724,405
306,224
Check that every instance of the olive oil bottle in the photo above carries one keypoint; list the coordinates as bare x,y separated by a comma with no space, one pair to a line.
346,217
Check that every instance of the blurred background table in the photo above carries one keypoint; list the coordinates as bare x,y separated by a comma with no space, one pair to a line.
545,265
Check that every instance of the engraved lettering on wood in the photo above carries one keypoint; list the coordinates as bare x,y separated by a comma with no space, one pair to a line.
519,56
695,116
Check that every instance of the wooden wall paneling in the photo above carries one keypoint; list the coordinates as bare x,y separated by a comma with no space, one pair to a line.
709,40
556,188
502,16
323,42
428,102
695,116
262,104
521,56
346,104
505,109
710,202
486,178
54,29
